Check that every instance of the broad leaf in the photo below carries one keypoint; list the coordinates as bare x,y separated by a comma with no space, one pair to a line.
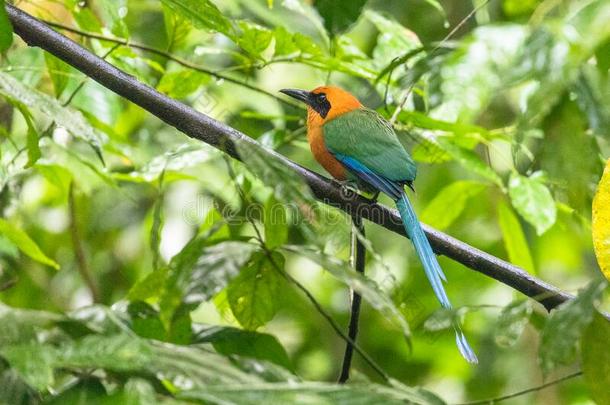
565,326
6,28
200,271
255,293
25,243
449,203
59,72
65,117
309,392
276,223
596,358
233,341
203,14
514,240
512,321
533,200
181,83
338,16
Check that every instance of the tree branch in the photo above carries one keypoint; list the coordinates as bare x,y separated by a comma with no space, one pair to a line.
223,137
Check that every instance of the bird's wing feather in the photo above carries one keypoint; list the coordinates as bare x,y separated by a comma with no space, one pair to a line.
364,135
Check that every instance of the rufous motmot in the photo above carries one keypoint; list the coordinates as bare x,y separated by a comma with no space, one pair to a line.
356,144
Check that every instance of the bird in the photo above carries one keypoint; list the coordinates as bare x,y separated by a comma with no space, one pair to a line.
356,145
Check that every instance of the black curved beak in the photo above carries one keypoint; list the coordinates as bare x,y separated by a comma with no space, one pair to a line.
301,95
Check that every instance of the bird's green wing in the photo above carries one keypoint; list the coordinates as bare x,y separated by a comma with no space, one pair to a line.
368,138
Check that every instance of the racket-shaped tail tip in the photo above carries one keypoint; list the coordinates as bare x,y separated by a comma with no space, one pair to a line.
465,348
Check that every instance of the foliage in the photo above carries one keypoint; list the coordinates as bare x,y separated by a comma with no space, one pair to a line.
137,266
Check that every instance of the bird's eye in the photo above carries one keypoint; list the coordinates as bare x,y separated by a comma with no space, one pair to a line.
321,97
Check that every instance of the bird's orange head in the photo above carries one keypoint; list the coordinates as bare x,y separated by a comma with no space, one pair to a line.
324,103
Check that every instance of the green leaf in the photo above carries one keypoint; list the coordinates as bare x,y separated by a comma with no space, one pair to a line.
58,176
200,271
182,83
35,362
449,203
203,14
233,341
367,288
596,358
514,240
65,117
25,243
6,28
177,28
309,393
338,16
512,321
59,71
276,224
254,294
284,43
254,38
565,325
533,200
470,160
393,40
289,188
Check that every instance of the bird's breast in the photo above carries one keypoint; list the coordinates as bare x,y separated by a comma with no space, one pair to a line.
315,136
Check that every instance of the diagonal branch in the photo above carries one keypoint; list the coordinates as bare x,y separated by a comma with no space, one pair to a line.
215,133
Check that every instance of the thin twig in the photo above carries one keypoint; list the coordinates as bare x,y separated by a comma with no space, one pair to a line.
79,251
492,401
358,261
168,55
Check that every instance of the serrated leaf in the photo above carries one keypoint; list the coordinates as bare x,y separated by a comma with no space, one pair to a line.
254,38
6,28
601,222
276,224
254,294
367,288
25,243
533,201
203,14
514,240
565,325
177,28
512,321
449,203
596,358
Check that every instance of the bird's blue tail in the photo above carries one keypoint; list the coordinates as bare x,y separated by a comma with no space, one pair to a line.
432,268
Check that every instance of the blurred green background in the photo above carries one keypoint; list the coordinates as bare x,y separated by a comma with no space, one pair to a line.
508,119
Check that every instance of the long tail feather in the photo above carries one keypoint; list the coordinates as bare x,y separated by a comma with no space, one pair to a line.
432,268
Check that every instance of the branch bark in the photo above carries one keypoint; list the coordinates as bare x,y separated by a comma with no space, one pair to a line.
206,129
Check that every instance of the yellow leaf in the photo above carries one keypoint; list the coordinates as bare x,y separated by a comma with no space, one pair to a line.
601,222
